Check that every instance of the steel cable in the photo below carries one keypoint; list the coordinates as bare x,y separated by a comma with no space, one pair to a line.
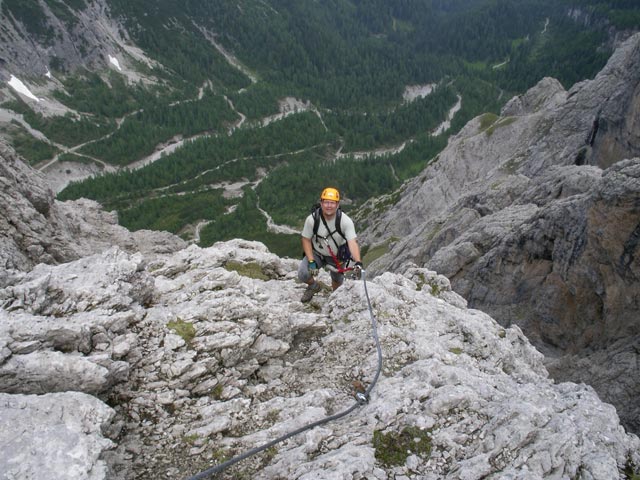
222,466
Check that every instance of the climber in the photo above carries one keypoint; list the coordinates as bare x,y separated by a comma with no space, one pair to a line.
328,239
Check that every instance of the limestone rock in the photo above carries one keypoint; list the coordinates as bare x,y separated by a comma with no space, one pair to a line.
56,435
208,353
24,54
126,355
36,228
534,216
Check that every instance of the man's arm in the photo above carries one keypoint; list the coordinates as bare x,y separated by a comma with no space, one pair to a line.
307,247
354,248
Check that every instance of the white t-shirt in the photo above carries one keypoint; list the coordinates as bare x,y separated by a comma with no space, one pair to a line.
320,240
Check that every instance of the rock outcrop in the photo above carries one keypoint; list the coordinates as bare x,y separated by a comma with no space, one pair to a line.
127,355
36,228
158,363
534,216
204,354
56,435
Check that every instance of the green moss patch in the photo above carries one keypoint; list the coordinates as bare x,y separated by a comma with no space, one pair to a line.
251,270
393,448
424,282
502,123
378,251
184,329
487,120
631,471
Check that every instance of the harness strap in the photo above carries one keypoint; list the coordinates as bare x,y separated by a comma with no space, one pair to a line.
326,225
338,263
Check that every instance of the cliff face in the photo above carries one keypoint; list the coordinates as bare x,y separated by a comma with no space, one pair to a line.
534,216
36,228
52,36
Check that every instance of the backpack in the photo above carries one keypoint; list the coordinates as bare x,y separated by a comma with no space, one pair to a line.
343,254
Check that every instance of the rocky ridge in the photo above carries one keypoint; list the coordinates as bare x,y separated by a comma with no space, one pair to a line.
126,355
160,363
533,215
36,228
205,353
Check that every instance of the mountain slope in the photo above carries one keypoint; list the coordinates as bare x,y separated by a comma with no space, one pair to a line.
126,365
115,84
207,353
36,228
186,357
533,215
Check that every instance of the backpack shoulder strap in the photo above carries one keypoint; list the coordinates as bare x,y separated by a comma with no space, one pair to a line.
317,214
339,223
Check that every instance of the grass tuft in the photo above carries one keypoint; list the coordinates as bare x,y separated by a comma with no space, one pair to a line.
251,270
393,448
184,329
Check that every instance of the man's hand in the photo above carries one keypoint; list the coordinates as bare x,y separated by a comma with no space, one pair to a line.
358,270
313,268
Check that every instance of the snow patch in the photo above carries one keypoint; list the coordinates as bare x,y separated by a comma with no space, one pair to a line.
21,88
114,61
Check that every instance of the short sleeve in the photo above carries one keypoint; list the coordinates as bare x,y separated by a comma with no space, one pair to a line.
348,228
307,229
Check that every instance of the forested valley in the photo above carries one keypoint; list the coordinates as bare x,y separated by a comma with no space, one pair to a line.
225,71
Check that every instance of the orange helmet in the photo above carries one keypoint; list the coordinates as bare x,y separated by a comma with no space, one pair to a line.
330,193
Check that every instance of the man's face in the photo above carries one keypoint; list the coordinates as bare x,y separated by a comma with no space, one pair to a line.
329,208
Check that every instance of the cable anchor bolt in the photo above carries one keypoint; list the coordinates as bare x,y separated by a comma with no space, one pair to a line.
362,398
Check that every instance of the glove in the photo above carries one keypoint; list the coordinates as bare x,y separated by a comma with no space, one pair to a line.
313,268
358,270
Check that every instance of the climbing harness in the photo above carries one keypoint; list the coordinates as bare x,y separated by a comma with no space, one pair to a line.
344,254
339,268
361,399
